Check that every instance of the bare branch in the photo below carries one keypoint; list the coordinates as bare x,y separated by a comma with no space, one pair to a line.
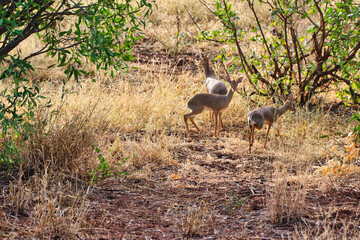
31,28
197,26
322,25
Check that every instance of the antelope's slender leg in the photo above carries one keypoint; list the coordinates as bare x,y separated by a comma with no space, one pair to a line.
267,133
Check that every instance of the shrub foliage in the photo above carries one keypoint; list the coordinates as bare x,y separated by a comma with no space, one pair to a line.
73,32
307,47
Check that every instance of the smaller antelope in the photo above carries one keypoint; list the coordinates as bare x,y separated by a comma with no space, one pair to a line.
213,84
266,115
210,102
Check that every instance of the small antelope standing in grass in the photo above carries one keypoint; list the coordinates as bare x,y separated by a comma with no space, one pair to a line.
266,115
210,102
213,84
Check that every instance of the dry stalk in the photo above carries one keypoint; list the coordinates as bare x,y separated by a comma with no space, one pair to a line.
329,226
285,199
196,218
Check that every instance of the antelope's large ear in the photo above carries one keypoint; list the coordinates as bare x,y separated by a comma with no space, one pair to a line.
202,56
283,97
228,79
239,80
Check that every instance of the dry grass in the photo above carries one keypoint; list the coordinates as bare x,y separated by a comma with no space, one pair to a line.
174,29
196,218
329,226
286,197
138,117
54,208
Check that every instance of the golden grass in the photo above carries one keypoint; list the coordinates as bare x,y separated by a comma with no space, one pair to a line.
329,226
138,117
172,20
286,196
196,218
52,209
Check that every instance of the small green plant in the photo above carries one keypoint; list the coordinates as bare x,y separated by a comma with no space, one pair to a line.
234,202
356,117
9,153
105,169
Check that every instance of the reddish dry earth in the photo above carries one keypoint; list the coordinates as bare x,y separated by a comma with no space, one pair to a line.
156,207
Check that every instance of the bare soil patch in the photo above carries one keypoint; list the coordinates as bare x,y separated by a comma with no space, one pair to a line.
234,186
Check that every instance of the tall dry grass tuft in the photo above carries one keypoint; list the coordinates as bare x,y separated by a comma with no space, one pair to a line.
58,212
50,188
61,144
20,197
54,209
285,200
196,218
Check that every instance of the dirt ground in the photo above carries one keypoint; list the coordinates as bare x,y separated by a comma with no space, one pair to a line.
233,194
229,192
230,198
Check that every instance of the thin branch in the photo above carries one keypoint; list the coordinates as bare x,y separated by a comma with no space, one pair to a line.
30,29
287,49
296,46
244,62
251,5
322,25
206,37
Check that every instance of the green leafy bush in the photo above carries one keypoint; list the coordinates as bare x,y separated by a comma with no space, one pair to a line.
356,118
101,32
284,55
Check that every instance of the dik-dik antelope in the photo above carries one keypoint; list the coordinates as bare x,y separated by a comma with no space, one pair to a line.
266,115
213,84
210,102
